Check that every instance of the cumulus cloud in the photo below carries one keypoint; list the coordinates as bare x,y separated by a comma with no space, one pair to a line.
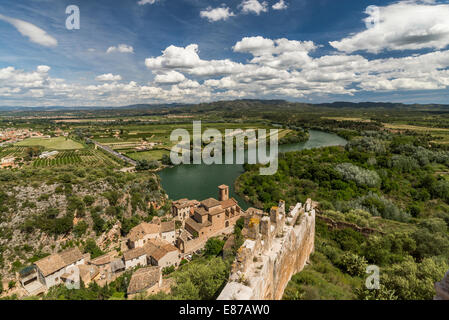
254,6
171,77
122,48
279,53
32,32
216,14
187,60
406,25
109,77
281,5
280,68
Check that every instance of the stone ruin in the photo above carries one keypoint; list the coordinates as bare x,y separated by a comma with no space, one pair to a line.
277,245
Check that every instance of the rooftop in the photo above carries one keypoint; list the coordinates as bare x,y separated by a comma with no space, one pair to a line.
168,226
133,253
144,279
141,230
210,203
157,248
228,203
57,261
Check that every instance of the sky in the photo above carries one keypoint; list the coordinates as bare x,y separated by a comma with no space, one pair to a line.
188,51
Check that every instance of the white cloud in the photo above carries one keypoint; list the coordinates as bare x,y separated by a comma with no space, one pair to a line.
122,48
144,2
43,69
34,33
279,53
280,68
171,77
216,14
406,25
109,77
281,5
187,60
254,6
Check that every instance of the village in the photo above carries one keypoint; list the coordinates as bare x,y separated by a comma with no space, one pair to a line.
147,250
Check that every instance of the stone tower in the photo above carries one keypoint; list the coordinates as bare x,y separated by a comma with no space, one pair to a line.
282,207
223,192
274,215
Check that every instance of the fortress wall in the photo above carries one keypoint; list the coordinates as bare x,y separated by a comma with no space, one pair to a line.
261,273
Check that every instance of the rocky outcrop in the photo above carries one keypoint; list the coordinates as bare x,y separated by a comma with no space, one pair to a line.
442,288
277,247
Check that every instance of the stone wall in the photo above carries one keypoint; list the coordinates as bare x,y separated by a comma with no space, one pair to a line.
276,248
338,225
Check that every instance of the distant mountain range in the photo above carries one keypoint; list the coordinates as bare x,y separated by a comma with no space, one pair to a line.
243,102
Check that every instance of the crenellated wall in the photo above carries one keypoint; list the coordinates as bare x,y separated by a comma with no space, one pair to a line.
277,246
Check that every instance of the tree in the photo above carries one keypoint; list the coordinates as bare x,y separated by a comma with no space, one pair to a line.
92,248
200,279
214,246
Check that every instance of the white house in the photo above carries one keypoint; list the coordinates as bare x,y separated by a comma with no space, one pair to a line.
135,257
162,254
141,233
168,232
51,268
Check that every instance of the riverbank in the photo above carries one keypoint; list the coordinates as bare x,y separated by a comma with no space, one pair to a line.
200,181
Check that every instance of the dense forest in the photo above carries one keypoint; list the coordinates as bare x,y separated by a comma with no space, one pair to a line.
392,183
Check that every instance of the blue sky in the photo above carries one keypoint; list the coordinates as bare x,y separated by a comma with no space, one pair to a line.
129,51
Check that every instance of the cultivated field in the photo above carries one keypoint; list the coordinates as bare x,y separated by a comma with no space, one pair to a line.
58,143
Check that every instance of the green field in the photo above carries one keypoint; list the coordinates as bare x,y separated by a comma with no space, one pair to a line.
58,143
148,155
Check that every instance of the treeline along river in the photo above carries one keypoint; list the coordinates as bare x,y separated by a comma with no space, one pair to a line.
201,181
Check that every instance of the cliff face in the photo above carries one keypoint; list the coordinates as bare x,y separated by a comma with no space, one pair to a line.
266,264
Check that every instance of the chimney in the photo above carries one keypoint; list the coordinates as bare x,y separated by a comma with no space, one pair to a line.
223,192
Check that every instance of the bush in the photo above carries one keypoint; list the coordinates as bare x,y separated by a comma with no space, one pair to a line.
362,177
353,264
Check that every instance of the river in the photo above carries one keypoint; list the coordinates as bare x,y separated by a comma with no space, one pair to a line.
201,181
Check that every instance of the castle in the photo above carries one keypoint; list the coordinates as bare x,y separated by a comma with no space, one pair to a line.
277,246
205,219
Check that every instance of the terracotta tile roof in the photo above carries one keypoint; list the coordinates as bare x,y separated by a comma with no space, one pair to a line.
216,210
50,264
57,261
157,249
168,226
102,260
182,203
133,253
210,203
197,226
201,211
223,186
228,203
71,255
143,229
144,279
